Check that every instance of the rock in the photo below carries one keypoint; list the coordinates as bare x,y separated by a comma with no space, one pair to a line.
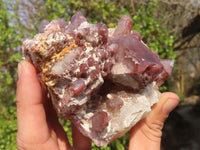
103,80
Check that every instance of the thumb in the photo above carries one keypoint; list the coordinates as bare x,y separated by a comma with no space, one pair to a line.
147,133
155,120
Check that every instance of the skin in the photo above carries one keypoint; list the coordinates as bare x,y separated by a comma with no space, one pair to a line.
39,128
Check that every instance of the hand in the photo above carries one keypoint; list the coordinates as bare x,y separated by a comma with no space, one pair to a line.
146,134
38,126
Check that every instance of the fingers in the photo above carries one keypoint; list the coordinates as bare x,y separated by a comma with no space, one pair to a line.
80,142
30,111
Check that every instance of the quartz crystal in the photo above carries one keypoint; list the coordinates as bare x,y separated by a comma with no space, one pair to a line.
103,80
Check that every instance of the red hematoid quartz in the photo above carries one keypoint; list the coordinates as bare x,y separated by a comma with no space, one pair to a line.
89,69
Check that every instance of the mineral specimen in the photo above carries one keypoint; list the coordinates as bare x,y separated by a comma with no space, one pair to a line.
103,80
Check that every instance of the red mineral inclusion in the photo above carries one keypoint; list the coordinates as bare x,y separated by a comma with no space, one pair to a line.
100,121
78,86
115,104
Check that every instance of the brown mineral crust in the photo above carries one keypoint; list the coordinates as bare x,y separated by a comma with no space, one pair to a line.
91,73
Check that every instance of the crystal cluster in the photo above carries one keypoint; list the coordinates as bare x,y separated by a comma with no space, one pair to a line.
103,80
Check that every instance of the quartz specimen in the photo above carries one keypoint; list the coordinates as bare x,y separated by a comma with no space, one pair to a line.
103,80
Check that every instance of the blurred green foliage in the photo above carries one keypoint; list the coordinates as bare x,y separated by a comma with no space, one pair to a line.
13,30
9,39
8,131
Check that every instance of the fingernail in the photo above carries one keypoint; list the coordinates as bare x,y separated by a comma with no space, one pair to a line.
20,69
169,106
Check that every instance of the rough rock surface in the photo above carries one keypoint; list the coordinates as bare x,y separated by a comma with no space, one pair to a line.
103,80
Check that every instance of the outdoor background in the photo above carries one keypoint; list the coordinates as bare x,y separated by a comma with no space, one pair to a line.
171,28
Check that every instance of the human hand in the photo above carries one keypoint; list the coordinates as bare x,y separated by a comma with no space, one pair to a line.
38,126
146,134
